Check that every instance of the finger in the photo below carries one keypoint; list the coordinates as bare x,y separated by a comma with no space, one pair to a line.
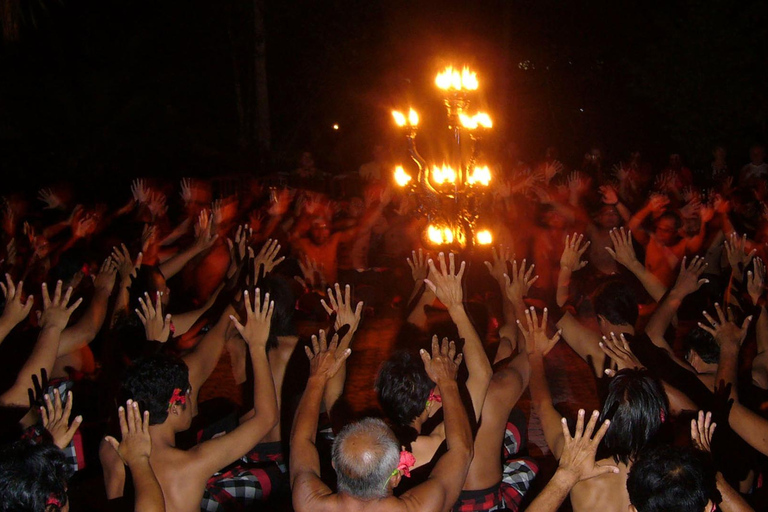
720,313
122,420
579,425
443,266
566,432
240,327
591,424
430,285
57,409
113,443
359,310
308,351
452,263
325,306
315,345
461,270
247,301
67,407
435,347
425,357
709,319
707,329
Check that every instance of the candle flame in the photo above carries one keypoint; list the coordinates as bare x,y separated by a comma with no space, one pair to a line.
413,118
399,118
453,79
484,237
401,177
483,120
481,175
471,123
439,235
444,174
468,122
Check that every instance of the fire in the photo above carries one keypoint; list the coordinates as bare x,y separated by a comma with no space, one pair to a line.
483,120
444,174
439,235
401,177
453,79
413,118
484,237
399,118
481,175
468,122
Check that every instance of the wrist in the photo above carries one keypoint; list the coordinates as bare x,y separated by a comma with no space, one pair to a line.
565,477
447,385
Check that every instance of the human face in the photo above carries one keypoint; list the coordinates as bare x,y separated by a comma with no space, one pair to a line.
666,231
608,218
319,233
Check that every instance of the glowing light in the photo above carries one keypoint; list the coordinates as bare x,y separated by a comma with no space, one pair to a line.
468,122
399,118
413,118
483,120
401,177
444,174
439,235
453,79
481,175
335,126
484,237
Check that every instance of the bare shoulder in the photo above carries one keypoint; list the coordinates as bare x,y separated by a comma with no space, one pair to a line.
606,492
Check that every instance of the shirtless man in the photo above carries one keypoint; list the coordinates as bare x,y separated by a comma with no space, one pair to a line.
162,385
636,405
366,455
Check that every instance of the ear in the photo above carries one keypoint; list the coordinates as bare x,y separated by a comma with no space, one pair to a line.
632,508
394,480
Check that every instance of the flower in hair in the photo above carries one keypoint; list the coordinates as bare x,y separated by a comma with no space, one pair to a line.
433,397
407,461
177,398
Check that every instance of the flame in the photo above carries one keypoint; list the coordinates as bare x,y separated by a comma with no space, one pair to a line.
481,175
439,235
413,118
484,237
456,80
444,174
401,177
399,118
468,122
483,120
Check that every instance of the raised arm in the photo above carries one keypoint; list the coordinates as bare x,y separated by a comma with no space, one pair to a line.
341,306
623,252
14,311
570,262
52,322
730,337
203,359
508,331
577,463
446,285
656,203
442,488
219,452
204,239
538,345
306,485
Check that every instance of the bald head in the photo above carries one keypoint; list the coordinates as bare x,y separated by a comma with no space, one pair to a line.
365,454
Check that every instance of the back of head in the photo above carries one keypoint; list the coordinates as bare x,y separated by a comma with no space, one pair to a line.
365,454
280,292
616,301
31,477
674,478
704,344
152,381
637,407
403,387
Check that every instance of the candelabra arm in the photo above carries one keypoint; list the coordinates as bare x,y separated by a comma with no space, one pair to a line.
430,195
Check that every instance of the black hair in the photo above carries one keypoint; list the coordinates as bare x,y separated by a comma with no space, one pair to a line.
403,387
704,344
637,407
617,302
283,323
31,475
674,216
672,478
152,381
145,281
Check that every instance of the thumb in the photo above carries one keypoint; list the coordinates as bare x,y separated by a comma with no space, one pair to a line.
113,442
602,470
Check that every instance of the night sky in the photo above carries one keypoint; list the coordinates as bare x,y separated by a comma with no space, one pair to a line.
97,92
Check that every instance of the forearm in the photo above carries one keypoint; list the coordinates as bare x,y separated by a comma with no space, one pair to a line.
478,366
555,492
732,500
334,388
84,331
750,427
204,358
458,433
43,357
761,330
662,317
650,282
728,367
174,264
149,495
264,398
563,286
508,332
541,400
304,455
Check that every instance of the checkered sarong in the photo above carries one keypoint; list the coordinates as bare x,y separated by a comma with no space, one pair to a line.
249,480
517,475
73,452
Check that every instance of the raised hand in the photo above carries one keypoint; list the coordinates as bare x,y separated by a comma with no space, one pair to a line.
255,332
498,269
186,191
148,237
56,419
446,283
156,328
313,277
736,250
536,339
443,365
105,279
619,353
520,282
609,194
204,232
15,311
574,250
324,360
702,431
579,451
156,204
139,191
658,202
83,226
688,280
342,306
49,197
55,311
136,444
266,258
238,248
725,331
126,267
623,251
419,266
756,281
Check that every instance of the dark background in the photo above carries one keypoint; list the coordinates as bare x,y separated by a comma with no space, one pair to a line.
95,92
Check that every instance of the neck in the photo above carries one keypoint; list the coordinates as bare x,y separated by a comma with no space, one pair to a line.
163,435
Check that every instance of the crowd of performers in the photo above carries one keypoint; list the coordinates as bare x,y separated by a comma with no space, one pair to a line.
114,318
